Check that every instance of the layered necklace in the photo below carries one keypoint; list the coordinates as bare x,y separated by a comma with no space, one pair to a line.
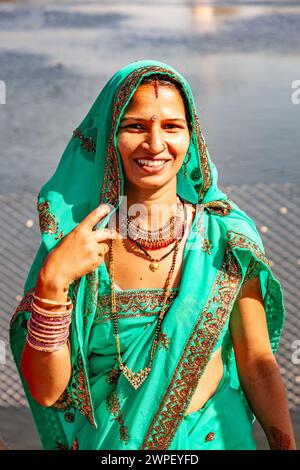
156,239
137,378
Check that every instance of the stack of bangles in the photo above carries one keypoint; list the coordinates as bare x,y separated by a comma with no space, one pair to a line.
48,330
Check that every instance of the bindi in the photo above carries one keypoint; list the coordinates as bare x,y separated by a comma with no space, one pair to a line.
154,117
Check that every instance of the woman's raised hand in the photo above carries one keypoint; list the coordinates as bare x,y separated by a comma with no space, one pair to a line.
82,250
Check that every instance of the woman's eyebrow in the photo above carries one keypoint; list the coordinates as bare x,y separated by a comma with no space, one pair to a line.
142,119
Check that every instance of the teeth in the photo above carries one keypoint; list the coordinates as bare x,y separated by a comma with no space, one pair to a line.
155,163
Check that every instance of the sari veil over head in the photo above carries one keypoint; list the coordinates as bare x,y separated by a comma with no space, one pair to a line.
222,250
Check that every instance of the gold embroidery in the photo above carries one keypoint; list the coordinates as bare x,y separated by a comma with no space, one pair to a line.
78,386
239,239
185,163
92,282
113,402
210,436
196,355
64,402
114,407
164,341
86,142
206,246
135,303
74,446
80,392
47,220
219,207
113,376
252,270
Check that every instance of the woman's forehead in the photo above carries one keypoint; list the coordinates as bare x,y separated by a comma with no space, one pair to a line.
145,97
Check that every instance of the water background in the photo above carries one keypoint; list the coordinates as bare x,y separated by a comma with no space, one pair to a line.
240,58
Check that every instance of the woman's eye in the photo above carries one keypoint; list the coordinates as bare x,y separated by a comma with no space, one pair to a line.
133,126
139,126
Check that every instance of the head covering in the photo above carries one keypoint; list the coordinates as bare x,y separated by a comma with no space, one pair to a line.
221,251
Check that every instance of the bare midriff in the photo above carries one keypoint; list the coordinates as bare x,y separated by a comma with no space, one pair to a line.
131,271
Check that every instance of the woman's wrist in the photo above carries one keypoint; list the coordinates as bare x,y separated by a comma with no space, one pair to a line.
51,284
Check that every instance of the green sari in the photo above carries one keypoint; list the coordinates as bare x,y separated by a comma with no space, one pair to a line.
99,408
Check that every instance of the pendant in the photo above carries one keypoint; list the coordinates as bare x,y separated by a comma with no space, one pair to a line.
154,266
136,378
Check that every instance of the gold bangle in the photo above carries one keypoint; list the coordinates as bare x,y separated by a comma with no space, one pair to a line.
52,302
49,313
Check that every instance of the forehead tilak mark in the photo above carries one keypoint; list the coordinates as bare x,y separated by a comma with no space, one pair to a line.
155,85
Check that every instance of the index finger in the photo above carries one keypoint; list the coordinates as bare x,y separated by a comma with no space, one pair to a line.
95,216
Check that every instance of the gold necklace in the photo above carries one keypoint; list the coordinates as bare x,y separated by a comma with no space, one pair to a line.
137,378
154,264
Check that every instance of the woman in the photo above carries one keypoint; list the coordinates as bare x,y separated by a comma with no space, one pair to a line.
172,332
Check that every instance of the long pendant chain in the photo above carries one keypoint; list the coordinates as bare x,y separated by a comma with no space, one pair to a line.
137,378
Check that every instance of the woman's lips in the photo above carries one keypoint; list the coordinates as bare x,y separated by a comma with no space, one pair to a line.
151,170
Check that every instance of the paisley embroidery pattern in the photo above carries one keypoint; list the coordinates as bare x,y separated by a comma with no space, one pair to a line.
114,407
196,356
113,376
47,221
219,207
79,390
210,436
64,402
196,174
86,142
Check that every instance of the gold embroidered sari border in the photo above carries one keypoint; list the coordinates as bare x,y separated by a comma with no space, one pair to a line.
195,357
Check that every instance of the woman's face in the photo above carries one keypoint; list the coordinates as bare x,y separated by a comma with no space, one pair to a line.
153,128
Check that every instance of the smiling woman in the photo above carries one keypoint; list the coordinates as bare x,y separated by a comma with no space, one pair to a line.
173,327
153,137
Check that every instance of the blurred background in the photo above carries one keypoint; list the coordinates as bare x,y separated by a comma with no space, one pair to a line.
242,60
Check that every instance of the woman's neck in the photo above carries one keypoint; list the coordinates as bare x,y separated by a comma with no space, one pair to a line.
152,208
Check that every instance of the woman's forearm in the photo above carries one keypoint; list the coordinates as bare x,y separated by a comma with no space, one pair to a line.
47,374
265,391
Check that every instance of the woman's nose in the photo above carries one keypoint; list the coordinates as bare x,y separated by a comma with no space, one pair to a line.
155,142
